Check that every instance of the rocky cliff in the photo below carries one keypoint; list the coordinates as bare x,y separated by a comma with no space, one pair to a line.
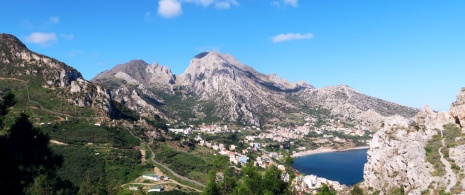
217,87
18,62
421,156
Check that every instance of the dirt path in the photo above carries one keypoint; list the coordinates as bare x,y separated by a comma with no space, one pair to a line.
143,154
57,142
152,159
450,177
160,183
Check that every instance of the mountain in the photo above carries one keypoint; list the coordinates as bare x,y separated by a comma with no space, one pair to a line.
217,87
424,155
18,62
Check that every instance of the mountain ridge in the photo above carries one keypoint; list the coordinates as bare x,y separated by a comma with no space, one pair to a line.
240,94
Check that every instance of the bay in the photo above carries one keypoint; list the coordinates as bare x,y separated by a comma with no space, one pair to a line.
345,167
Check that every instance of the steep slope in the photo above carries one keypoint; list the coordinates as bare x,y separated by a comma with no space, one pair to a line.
133,85
139,72
425,155
18,62
344,101
218,88
241,94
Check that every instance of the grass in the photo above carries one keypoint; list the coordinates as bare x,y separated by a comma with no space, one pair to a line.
433,156
166,172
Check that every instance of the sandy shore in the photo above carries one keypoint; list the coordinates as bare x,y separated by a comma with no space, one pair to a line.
324,150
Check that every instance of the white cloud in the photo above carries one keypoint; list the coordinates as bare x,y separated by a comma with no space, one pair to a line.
226,4
173,8
204,3
67,36
290,37
41,38
169,8
293,3
284,3
54,20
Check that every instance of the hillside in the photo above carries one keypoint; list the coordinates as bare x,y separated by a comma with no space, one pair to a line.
63,81
218,88
60,134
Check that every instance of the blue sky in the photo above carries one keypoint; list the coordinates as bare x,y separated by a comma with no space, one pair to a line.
409,52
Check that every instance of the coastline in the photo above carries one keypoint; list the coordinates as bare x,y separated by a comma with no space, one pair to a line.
324,150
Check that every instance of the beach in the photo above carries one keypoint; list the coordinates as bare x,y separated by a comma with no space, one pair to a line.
324,150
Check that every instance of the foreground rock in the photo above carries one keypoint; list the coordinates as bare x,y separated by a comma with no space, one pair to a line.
397,157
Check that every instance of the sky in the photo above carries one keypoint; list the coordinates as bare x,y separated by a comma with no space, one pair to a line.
408,52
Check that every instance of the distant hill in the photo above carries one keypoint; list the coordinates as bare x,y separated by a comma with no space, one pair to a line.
217,87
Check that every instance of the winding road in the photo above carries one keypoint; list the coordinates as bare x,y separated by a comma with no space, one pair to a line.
165,167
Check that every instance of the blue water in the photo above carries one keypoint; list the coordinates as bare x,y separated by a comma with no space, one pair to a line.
344,167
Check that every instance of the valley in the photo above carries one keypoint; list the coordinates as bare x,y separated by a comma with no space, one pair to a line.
221,127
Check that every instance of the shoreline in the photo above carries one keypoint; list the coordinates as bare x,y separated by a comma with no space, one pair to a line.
324,150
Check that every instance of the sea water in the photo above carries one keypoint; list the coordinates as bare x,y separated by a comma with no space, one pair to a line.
345,167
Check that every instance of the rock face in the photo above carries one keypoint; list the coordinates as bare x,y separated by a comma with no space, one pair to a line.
218,86
397,154
139,72
17,61
240,92
130,83
345,101
457,110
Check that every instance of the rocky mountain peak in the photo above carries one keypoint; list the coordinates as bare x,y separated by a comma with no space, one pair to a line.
11,43
137,72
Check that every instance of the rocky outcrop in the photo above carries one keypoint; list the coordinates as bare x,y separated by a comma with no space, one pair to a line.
457,110
17,61
396,158
397,154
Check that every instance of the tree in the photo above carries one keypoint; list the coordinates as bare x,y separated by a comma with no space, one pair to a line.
25,154
85,187
212,187
220,162
272,180
229,181
8,100
252,178
356,191
326,191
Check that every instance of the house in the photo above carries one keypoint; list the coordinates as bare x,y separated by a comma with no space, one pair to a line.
232,147
133,188
157,188
256,145
153,177
243,159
